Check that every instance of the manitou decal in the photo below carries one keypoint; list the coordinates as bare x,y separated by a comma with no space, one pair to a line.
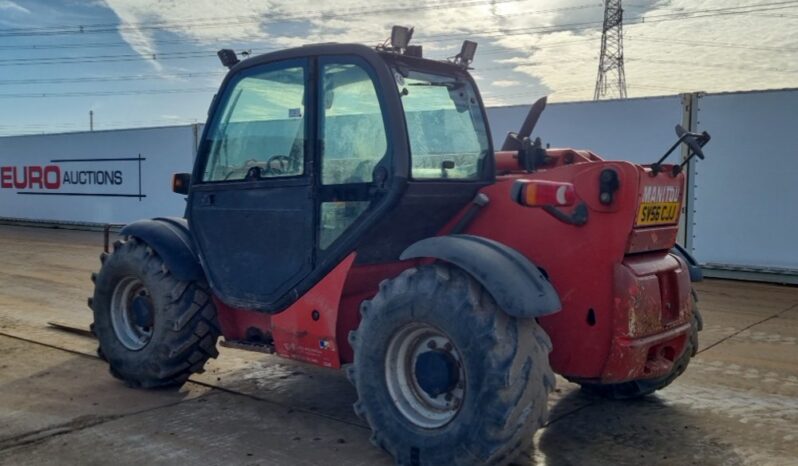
115,177
659,205
660,194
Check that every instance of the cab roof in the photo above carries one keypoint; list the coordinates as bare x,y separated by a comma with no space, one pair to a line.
332,48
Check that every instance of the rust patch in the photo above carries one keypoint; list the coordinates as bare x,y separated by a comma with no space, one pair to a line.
644,312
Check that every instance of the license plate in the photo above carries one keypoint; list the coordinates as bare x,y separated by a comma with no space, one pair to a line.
657,213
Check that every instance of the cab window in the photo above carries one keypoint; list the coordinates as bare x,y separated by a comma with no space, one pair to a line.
352,130
353,137
448,135
260,130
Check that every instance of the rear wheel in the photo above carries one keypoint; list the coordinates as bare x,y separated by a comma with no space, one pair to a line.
153,329
446,377
639,388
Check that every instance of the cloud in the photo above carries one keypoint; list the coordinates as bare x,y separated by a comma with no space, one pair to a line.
669,57
265,26
14,7
505,83
535,46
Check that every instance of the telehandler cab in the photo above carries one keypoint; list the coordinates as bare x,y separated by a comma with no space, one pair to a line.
347,208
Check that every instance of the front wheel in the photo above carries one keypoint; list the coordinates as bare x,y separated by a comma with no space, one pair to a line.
446,377
154,330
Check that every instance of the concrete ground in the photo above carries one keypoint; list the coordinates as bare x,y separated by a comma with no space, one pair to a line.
736,404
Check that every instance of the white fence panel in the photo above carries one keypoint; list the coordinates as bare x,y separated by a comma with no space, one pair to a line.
746,190
95,177
638,130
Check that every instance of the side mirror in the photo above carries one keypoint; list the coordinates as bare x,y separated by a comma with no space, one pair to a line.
181,183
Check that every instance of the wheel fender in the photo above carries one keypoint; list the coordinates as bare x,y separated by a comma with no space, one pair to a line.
517,285
171,239
696,275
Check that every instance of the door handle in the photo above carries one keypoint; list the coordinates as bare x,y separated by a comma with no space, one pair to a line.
208,199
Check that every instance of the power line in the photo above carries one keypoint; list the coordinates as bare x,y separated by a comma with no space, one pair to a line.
90,45
96,79
196,54
515,64
641,19
777,15
651,19
261,19
204,42
44,47
109,93
539,45
494,51
693,14
704,13
142,77
430,38
713,65
700,43
104,58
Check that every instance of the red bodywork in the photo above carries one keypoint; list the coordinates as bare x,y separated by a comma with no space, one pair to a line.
626,308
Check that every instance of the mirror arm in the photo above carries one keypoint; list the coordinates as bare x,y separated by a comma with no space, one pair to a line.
656,166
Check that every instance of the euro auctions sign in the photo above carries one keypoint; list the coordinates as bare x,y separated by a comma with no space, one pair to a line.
100,177
103,177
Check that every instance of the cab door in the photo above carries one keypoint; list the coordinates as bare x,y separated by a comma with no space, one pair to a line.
353,152
251,207
294,169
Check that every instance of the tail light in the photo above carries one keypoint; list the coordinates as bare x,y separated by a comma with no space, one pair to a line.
539,193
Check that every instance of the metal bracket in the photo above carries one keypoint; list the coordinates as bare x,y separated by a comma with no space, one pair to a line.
577,217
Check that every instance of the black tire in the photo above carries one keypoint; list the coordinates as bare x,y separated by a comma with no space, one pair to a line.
506,366
183,330
640,388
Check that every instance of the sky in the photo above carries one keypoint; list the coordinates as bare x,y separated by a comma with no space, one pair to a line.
140,63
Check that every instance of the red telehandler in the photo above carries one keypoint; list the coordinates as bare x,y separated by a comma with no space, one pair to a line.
347,208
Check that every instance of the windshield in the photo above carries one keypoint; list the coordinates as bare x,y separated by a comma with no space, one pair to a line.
448,136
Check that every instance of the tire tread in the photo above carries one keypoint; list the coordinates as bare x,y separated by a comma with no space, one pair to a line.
190,331
520,409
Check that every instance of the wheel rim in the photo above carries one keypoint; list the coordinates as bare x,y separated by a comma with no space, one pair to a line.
132,313
425,375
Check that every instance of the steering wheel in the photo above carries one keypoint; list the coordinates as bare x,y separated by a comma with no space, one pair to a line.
278,164
245,168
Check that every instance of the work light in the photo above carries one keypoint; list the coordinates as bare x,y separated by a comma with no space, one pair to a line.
400,37
228,57
467,52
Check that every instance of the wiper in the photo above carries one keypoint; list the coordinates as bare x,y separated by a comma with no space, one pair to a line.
448,85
